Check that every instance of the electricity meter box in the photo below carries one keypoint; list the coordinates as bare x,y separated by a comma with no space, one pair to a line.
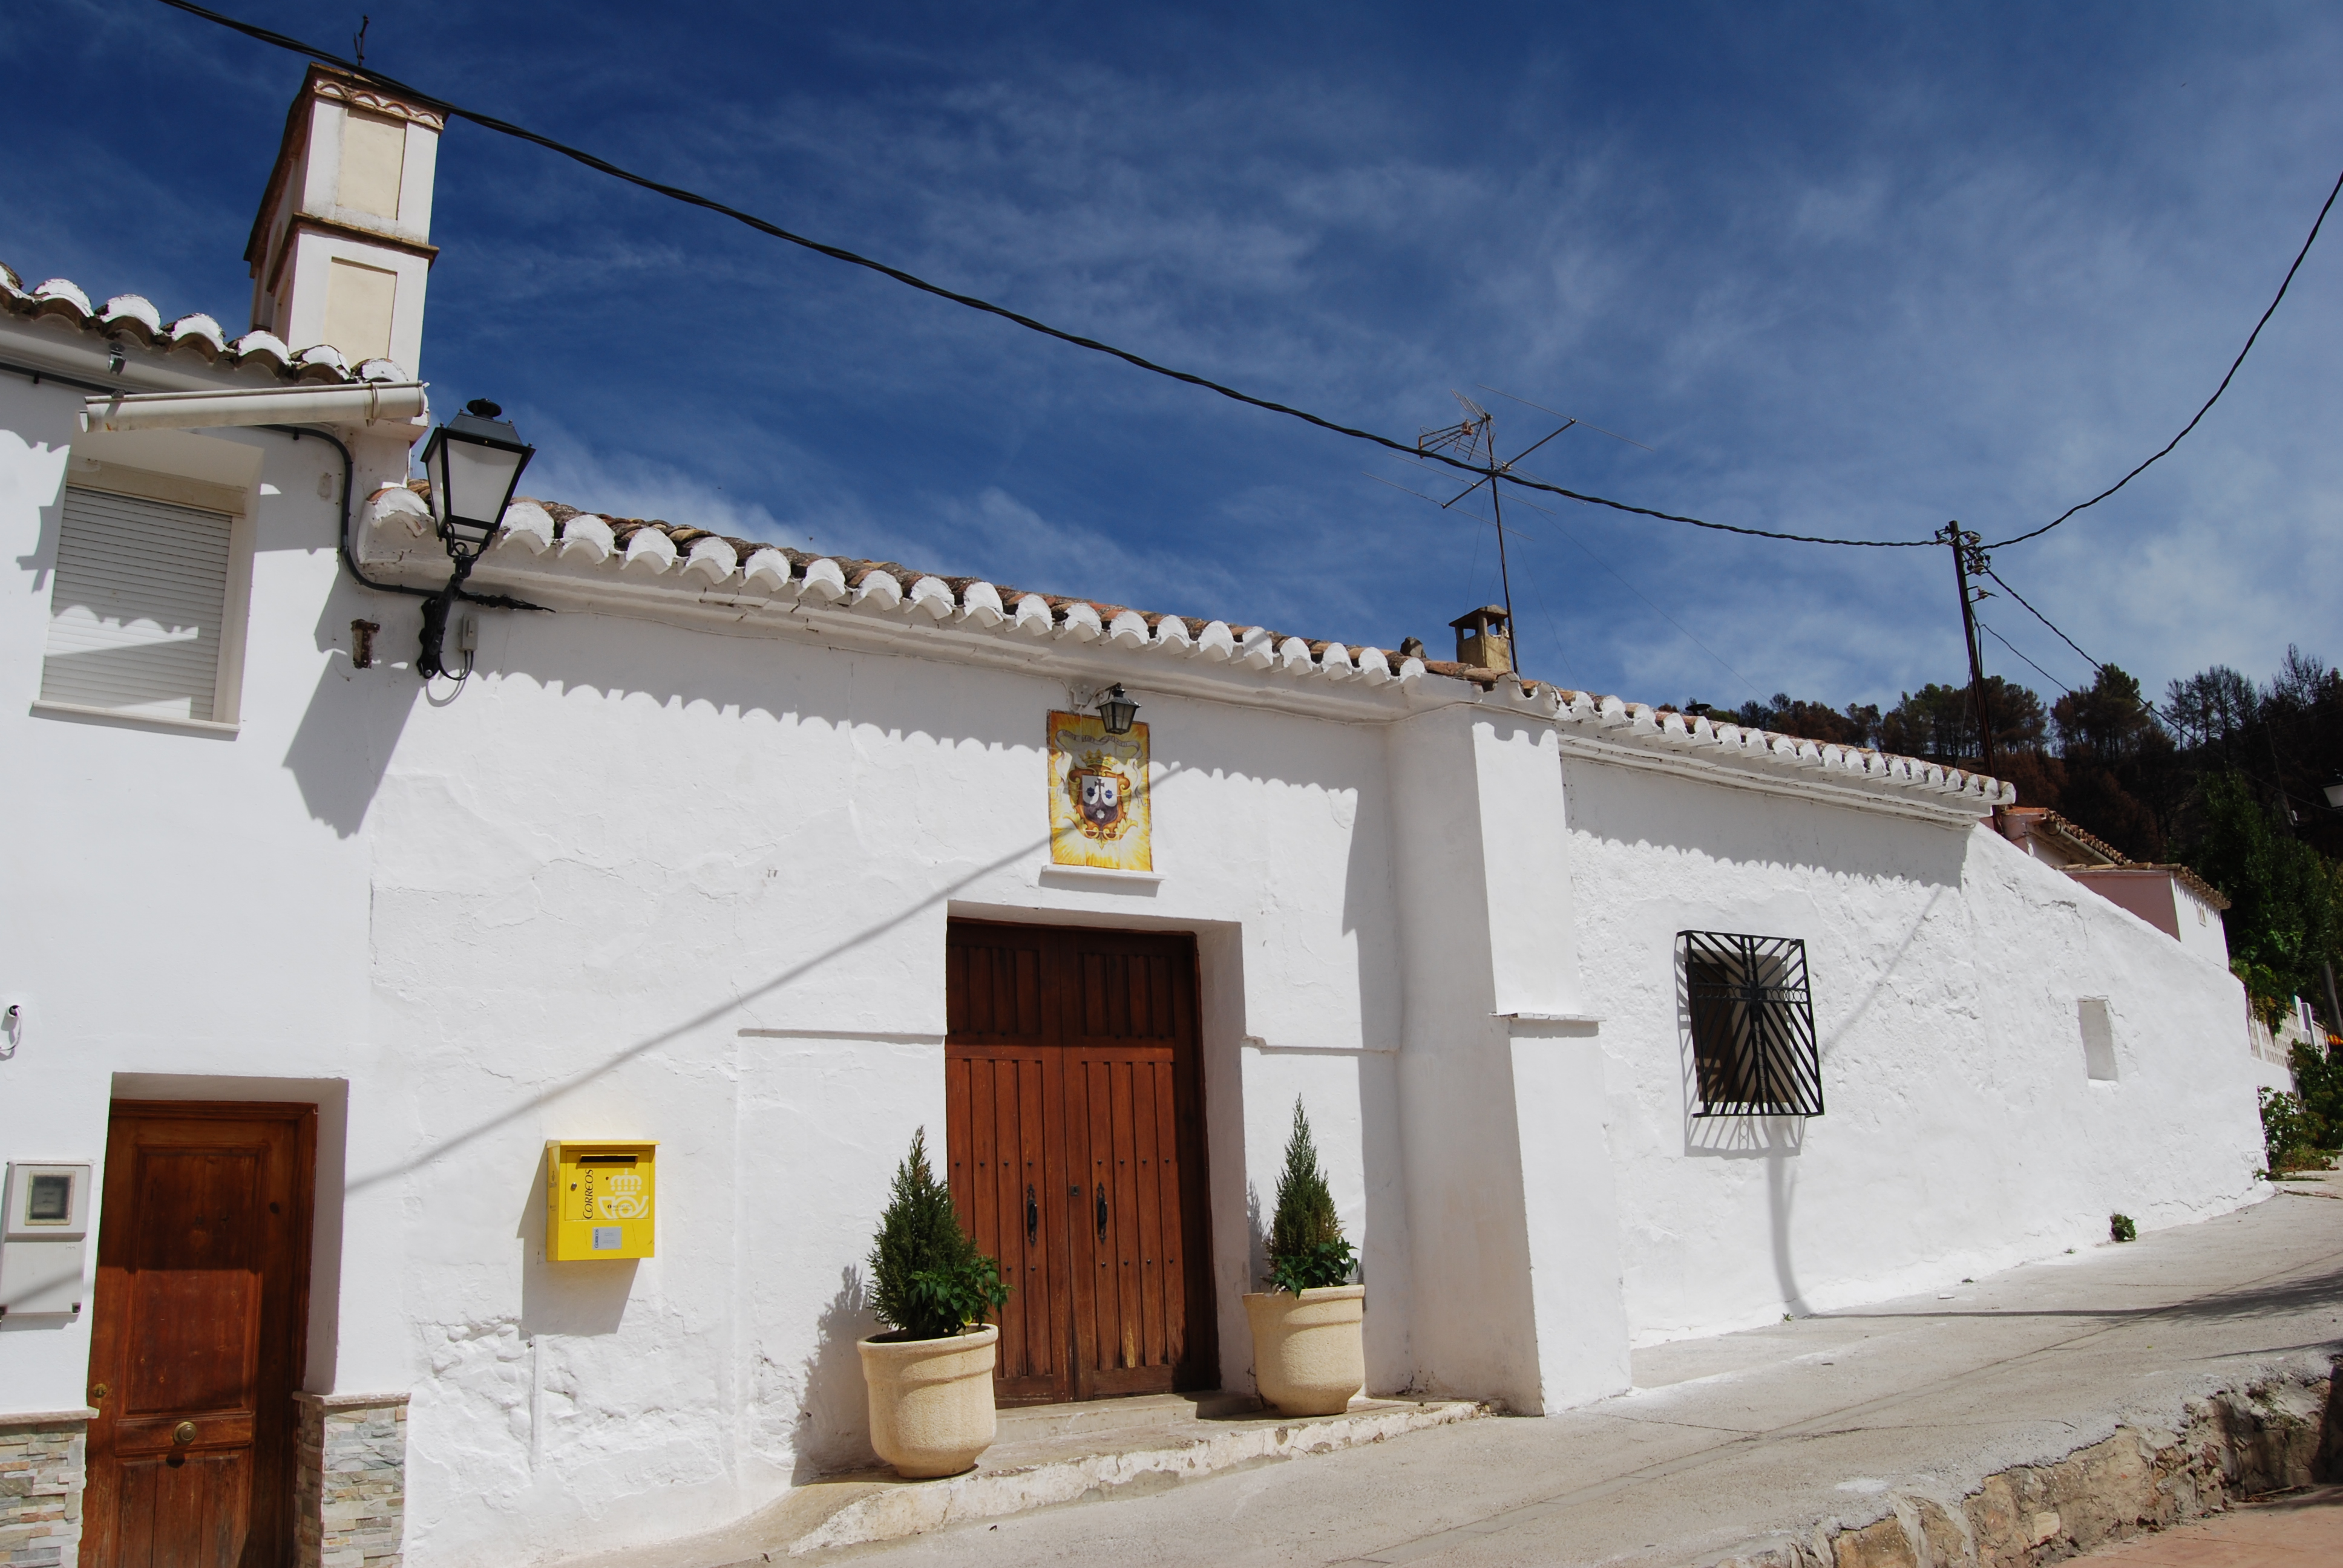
44,1239
601,1200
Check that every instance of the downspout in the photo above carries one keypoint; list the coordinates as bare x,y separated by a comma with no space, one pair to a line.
226,402
342,541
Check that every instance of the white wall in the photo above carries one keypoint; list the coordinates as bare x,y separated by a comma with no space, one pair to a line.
185,904
624,845
1961,1133
636,880
649,880
2201,927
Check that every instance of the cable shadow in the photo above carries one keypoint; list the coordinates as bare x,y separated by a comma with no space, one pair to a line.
699,1020
1879,981
710,1015
2322,1290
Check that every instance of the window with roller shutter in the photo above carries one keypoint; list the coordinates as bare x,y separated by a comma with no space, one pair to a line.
137,607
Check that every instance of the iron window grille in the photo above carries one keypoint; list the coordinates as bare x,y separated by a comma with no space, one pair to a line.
1753,1026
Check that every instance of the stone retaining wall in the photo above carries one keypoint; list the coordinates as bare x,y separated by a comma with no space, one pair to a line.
41,1472
2268,1437
350,1485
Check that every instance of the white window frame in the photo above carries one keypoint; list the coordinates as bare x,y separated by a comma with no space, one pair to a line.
233,501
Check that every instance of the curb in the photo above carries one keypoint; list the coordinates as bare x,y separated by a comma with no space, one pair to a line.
2272,1435
892,1512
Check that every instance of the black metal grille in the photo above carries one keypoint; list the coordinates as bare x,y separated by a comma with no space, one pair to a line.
1753,1026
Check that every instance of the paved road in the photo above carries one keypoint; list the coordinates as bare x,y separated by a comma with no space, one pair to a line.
1728,1440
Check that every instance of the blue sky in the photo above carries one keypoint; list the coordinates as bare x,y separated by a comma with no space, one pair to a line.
1844,269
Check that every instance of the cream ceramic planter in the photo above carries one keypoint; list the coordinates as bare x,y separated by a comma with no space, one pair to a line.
930,1400
1309,1352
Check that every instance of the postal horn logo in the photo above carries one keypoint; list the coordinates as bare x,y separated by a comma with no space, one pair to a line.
625,1201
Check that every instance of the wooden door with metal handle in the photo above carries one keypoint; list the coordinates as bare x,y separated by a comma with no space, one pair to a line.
196,1333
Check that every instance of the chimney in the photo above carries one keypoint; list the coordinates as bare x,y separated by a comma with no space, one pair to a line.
342,247
1485,639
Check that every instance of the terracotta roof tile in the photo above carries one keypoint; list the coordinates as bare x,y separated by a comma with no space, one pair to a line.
986,603
133,322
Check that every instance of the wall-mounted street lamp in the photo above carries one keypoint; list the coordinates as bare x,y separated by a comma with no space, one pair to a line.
1116,710
474,463
2334,793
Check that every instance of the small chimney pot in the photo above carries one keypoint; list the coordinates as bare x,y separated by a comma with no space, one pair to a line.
1484,639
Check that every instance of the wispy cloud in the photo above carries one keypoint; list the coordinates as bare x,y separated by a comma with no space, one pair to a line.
1847,273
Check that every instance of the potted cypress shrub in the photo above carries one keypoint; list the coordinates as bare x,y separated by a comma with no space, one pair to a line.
1309,1351
930,1379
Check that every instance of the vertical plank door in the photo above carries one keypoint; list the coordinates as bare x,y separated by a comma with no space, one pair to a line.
197,1333
1128,1033
1001,1112
1074,1108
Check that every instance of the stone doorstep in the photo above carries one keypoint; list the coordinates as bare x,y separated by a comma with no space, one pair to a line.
1051,1454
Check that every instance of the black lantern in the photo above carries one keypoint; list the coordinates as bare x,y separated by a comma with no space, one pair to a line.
1116,710
473,462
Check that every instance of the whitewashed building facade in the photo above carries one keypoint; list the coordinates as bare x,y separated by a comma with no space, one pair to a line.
685,860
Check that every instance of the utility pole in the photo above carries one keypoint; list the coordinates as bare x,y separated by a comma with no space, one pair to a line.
1970,560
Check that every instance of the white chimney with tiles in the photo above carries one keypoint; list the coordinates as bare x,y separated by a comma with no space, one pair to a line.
341,251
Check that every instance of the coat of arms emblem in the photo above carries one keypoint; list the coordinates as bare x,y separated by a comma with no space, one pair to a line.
1099,795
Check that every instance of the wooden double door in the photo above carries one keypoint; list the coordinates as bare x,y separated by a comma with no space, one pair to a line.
1075,1143
196,1335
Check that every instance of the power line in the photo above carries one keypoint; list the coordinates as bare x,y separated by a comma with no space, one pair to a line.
677,193
2021,654
692,198
2150,709
2250,337
2044,619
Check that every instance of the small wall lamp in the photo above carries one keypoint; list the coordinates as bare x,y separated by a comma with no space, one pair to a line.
1116,710
474,463
2335,794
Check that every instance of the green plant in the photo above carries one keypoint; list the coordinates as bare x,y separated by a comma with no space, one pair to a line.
2265,991
2286,917
2120,1227
2318,1085
1306,1248
928,1279
2291,1132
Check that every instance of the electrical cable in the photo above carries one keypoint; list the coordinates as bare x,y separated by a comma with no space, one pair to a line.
1663,615
2021,654
2044,619
912,280
2216,398
2150,709
349,560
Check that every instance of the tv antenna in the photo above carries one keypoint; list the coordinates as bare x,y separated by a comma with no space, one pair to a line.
1472,440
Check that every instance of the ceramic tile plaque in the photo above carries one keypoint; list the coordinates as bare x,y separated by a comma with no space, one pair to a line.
1098,795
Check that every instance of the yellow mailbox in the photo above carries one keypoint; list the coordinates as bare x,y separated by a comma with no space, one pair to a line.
601,1200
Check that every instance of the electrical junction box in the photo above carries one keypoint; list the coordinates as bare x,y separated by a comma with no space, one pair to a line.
44,1239
601,1200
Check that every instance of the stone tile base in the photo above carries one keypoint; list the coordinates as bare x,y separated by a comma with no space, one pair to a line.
349,1480
41,1460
